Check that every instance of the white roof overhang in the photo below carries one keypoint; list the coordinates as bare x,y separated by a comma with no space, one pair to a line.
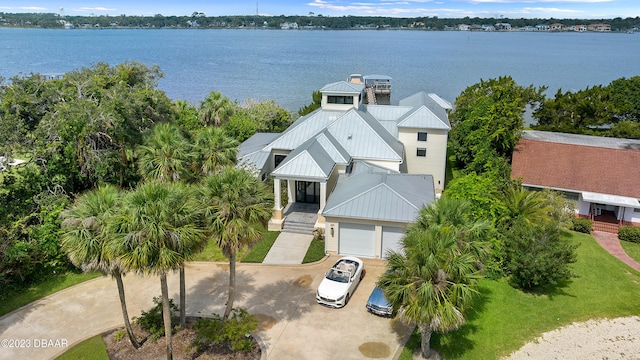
610,199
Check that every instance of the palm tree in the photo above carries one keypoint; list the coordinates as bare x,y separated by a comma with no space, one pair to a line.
530,206
433,281
455,216
215,109
216,149
237,206
166,156
159,231
85,237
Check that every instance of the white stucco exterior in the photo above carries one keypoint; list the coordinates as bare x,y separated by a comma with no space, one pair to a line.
434,162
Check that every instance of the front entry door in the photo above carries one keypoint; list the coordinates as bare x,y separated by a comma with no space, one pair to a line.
308,192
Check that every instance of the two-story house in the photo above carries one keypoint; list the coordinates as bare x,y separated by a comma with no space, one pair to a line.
363,168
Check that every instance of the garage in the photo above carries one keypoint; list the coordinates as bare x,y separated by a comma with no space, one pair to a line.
357,239
391,236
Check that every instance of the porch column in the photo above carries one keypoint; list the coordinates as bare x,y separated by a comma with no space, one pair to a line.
323,201
290,191
275,224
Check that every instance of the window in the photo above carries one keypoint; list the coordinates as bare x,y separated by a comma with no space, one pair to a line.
277,159
421,152
422,136
333,99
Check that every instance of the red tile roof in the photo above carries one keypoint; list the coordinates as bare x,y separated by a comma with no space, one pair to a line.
577,167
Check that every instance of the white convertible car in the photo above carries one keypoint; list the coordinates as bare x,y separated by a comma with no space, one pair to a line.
340,282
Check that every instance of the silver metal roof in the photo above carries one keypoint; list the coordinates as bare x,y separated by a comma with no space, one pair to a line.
585,140
365,138
303,129
316,158
424,118
387,112
250,151
343,87
375,195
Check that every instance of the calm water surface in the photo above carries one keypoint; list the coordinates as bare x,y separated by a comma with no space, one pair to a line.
288,66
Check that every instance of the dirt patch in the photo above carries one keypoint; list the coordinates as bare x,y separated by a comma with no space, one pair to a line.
375,350
181,343
303,281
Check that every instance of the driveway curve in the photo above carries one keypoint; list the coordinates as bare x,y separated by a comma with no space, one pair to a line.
293,325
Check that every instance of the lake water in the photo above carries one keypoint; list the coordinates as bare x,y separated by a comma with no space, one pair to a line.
288,66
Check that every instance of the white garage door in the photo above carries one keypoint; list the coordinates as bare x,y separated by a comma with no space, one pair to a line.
357,240
391,236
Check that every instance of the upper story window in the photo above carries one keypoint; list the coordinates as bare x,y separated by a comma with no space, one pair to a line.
334,99
422,136
277,159
421,152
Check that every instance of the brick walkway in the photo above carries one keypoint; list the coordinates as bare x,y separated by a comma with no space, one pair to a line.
611,243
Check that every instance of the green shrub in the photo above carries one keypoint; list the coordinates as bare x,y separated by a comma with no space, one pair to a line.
235,332
537,256
582,225
629,233
152,320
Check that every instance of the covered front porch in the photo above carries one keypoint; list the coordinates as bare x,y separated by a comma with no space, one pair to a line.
302,208
609,212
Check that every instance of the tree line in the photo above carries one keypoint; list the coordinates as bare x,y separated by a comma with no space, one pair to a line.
200,20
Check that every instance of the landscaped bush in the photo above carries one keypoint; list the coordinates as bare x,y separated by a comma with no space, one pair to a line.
152,321
582,225
629,233
537,256
235,331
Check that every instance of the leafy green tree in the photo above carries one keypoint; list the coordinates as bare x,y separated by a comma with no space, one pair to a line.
157,223
85,239
237,206
610,110
482,192
433,281
216,109
537,255
316,97
252,117
488,120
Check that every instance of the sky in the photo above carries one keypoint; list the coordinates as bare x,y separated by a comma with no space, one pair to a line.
558,9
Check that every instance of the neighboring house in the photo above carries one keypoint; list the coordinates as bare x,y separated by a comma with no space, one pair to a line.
599,27
580,28
556,27
600,174
464,27
503,27
543,27
365,169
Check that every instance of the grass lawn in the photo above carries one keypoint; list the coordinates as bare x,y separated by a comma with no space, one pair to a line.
213,253
42,289
632,249
260,249
315,251
504,319
90,349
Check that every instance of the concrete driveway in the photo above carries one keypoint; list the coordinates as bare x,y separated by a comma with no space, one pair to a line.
293,325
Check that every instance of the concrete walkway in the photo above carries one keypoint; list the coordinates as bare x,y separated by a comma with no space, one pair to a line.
289,248
610,242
